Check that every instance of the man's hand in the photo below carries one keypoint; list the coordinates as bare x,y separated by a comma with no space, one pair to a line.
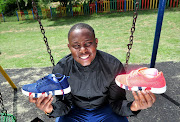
142,100
43,103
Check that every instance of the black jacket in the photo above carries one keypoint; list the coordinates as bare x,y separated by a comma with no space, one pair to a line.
92,86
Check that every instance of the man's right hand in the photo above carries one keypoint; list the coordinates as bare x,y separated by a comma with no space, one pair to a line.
43,103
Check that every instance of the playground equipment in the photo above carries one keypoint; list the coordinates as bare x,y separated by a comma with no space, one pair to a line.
94,7
4,116
131,36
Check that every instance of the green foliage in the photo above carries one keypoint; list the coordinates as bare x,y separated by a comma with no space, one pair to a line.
44,3
1,5
7,5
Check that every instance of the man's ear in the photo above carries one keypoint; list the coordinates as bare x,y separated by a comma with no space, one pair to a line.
96,41
68,45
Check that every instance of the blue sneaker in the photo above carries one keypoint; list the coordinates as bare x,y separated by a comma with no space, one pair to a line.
50,84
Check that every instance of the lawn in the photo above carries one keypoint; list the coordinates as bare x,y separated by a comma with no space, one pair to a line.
22,45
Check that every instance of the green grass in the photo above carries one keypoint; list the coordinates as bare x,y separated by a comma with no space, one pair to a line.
22,45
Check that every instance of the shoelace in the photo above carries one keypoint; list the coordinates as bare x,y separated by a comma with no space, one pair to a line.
40,81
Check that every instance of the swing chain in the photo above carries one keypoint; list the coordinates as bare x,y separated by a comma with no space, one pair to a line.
43,32
2,105
131,36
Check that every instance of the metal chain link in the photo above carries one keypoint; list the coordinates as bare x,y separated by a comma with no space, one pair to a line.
131,36
42,31
2,105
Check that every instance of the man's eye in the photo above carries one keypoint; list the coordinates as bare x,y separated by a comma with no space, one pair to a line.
88,44
76,46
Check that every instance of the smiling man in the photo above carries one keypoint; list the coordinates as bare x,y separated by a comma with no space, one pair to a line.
82,44
94,96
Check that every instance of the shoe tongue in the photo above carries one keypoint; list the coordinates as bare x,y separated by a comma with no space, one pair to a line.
150,72
53,77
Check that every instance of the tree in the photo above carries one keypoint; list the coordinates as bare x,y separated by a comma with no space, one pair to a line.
18,4
64,2
9,7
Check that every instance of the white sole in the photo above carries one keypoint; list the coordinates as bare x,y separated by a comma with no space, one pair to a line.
55,92
137,88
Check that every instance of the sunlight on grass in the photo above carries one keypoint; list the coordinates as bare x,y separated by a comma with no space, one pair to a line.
22,45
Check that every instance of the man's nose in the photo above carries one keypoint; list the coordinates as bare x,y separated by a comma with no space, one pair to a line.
82,50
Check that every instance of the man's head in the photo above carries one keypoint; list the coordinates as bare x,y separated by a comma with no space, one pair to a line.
82,43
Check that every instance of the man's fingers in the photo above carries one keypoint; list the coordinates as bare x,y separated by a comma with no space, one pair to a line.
136,98
48,107
43,103
46,100
135,105
49,102
39,101
31,99
152,96
142,99
148,98
142,96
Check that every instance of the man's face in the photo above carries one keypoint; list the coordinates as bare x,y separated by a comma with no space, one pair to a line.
82,45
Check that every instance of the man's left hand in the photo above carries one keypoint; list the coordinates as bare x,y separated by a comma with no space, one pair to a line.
142,100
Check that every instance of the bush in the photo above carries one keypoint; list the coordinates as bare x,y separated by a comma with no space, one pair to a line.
10,6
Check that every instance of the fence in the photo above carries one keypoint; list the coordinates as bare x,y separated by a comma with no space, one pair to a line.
2,19
86,8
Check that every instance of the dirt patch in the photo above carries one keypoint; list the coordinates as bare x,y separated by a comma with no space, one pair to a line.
33,29
16,56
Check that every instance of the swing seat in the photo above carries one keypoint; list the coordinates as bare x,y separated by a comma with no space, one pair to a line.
4,117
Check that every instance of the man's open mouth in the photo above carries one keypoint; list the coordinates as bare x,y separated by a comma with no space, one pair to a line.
84,57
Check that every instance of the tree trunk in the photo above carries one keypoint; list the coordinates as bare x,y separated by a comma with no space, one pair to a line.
18,5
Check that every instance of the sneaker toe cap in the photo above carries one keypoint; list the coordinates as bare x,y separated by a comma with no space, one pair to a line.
122,79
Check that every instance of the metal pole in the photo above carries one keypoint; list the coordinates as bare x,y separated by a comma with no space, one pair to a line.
96,6
7,78
17,15
161,8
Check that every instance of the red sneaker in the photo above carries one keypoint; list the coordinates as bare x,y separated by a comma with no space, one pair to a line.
142,79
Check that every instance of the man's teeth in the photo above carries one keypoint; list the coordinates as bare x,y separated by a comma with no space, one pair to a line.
84,57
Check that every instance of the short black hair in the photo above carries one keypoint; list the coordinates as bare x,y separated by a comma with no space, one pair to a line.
81,26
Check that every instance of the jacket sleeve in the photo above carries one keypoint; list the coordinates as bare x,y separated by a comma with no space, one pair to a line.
117,96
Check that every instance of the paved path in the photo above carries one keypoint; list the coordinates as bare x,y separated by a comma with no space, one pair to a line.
165,109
